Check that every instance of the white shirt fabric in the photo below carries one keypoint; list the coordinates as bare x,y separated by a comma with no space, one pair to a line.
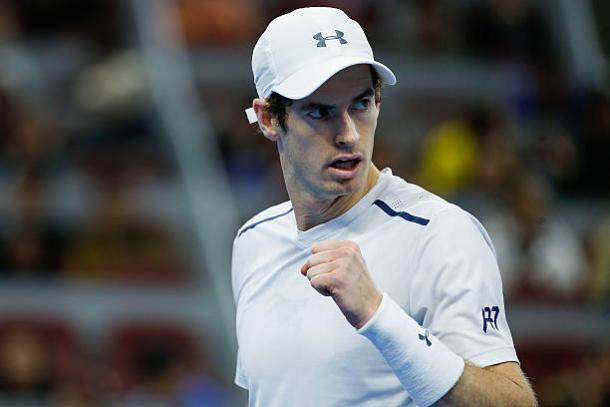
429,256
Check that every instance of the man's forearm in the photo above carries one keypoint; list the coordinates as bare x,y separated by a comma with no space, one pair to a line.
498,385
433,374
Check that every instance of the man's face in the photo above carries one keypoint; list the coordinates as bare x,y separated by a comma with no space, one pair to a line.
328,144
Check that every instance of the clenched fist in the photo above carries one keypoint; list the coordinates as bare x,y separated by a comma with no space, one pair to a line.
336,268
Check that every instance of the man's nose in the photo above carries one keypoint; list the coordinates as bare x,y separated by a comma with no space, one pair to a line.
346,133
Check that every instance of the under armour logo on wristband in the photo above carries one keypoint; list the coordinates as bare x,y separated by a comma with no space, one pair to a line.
322,40
490,319
426,337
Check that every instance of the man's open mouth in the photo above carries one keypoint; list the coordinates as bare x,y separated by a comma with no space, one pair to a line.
345,164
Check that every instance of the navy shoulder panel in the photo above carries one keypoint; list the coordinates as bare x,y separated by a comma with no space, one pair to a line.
405,215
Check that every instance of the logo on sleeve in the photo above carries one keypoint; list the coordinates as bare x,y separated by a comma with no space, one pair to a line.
426,337
490,317
322,39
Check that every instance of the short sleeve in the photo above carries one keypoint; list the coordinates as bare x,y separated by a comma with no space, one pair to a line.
457,289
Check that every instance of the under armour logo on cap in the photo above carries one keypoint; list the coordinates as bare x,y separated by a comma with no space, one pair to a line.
322,40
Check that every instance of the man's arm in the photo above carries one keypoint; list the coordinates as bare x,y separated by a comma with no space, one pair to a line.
497,385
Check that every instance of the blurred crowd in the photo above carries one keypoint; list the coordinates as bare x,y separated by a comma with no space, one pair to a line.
145,365
91,191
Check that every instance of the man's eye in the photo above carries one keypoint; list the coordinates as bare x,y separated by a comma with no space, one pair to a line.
319,113
362,104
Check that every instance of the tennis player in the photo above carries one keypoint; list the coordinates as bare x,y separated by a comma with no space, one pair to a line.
362,289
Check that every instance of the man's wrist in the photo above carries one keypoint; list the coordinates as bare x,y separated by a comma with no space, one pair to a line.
373,310
426,368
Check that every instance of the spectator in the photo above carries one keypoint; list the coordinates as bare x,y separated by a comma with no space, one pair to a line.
116,246
449,158
8,22
32,245
163,376
32,252
28,138
588,384
366,12
512,31
594,147
599,264
538,252
219,22
25,369
470,158
62,20
435,29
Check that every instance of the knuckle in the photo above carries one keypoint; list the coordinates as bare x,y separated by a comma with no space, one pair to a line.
345,251
339,263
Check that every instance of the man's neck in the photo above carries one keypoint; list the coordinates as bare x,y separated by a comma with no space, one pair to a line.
311,213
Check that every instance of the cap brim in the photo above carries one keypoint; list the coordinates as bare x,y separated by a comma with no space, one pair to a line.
305,81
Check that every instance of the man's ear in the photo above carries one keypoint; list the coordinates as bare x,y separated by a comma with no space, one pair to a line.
268,126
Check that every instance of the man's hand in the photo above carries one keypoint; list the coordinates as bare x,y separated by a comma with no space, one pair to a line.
337,268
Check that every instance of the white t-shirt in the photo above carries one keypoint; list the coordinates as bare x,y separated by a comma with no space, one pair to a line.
429,256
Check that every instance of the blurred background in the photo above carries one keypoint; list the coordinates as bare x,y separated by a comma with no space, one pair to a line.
127,165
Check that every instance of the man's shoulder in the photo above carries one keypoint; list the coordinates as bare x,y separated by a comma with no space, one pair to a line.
266,217
409,198
443,217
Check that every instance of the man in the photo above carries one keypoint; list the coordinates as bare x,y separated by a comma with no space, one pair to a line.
362,289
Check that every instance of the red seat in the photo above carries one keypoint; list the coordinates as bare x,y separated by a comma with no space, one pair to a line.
129,342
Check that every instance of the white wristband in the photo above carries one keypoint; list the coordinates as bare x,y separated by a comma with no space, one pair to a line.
426,367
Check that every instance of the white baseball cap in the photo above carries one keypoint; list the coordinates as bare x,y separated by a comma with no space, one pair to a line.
301,50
